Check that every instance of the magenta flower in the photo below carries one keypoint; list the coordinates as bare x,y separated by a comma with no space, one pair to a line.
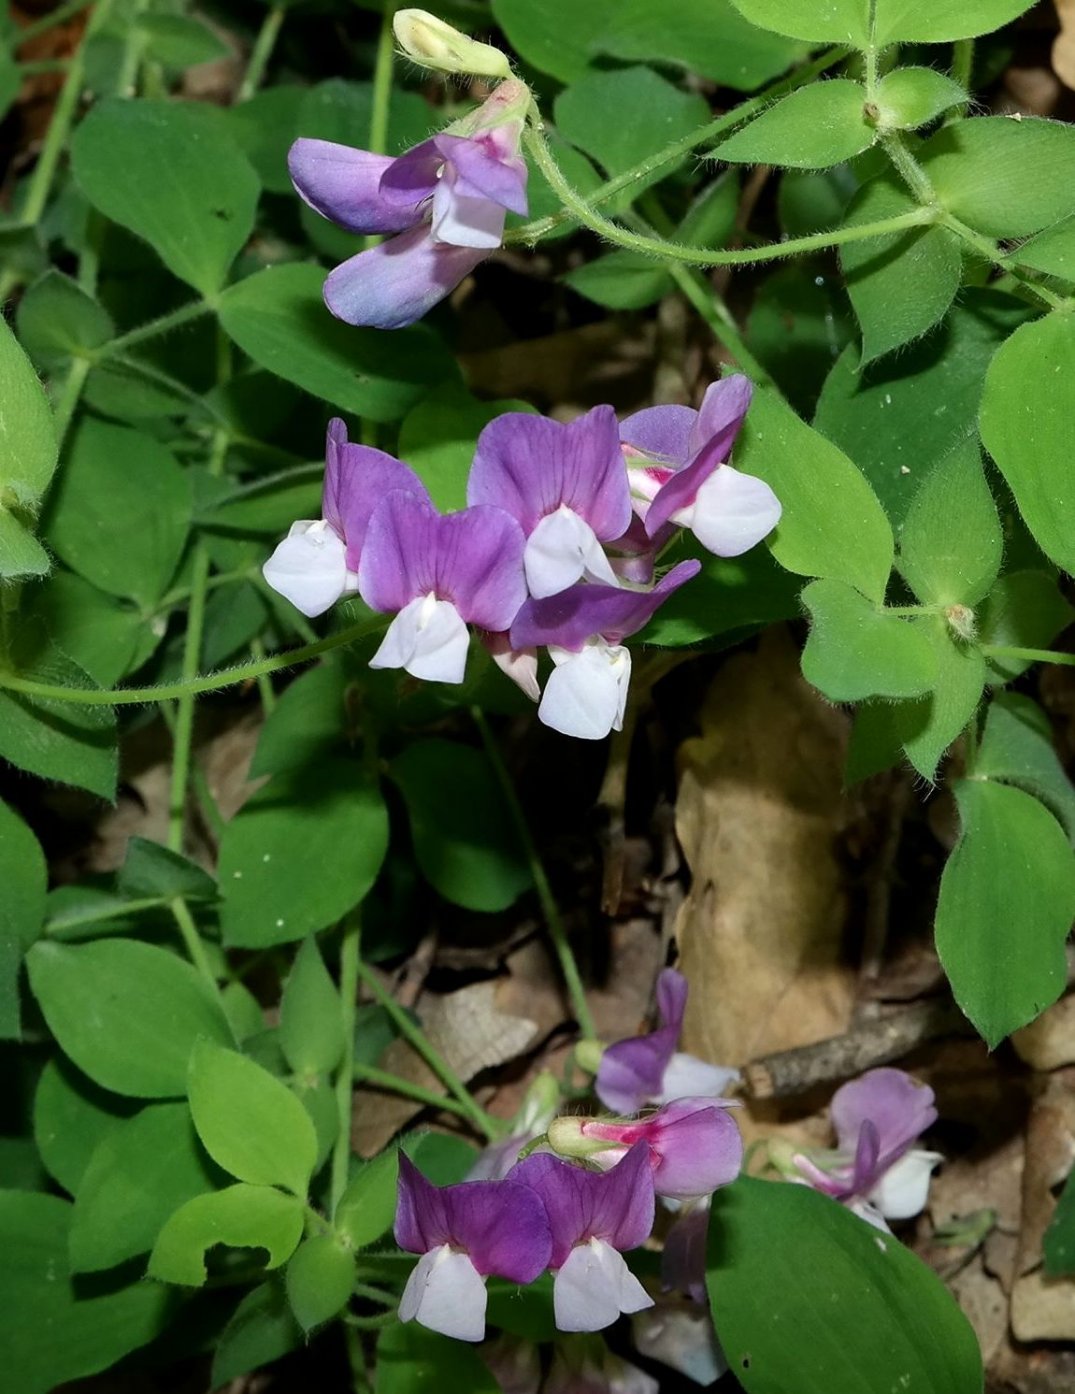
594,1217
583,628
676,458
317,562
465,1234
649,1069
566,485
876,1171
694,1145
438,574
445,200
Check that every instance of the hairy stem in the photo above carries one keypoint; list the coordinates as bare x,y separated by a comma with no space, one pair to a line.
192,941
193,309
261,53
394,1084
350,948
1064,660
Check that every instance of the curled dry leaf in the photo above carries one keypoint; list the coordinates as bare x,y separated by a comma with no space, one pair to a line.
1064,46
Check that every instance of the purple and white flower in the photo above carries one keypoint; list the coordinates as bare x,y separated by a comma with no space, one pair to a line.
594,1218
317,562
679,476
567,487
445,200
438,573
649,1069
583,628
876,1170
465,1234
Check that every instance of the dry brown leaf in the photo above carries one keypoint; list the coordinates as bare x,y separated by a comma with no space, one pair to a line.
1049,1042
1064,46
1042,1308
759,811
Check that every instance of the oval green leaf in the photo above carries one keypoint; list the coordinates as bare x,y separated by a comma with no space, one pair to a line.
241,1217
319,1280
856,650
814,128
311,1019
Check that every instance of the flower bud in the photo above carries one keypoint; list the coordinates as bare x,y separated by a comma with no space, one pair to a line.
588,1056
434,44
567,1136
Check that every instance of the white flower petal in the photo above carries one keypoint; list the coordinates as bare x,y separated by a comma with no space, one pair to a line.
429,639
593,1287
462,221
520,665
687,1077
731,512
309,567
446,1293
904,1188
561,550
681,1336
586,694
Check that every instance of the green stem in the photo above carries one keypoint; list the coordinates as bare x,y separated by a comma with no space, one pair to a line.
345,1078
58,927
963,62
60,15
700,256
261,53
1065,660
33,66
68,398
193,942
210,682
382,81
990,250
193,309
383,1079
416,1037
549,908
533,232
908,168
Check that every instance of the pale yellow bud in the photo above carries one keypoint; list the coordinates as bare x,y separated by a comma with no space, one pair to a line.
434,44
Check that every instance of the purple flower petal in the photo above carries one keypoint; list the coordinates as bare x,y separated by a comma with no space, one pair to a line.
631,1072
694,1145
662,433
567,620
683,1257
357,478
397,282
616,1206
501,1225
411,178
712,436
531,466
473,559
485,171
865,1171
344,184
898,1107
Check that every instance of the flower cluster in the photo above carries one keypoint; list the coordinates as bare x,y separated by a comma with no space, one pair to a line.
557,547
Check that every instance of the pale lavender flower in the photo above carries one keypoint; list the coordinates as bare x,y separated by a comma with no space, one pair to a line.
445,200
566,485
437,574
594,1217
876,1170
679,1333
583,628
676,459
649,1069
465,1234
317,562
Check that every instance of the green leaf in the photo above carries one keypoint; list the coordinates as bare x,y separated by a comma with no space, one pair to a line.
856,650
474,858
27,459
1059,1242
319,1280
951,543
897,419
412,1360
909,21
368,1205
1026,427
171,173
799,322
53,738
729,594
241,1217
816,127
1017,748
72,1115
1002,177
650,114
152,870
836,21
910,97
106,637
272,873
278,317
120,512
439,435
126,1013
261,1330
243,1011
556,36
139,1173
1024,610
24,877
178,42
879,269
832,524
1006,904
249,1121
59,321
1051,251
928,726
844,1300
265,125
621,280
51,1330
306,723
440,1157
875,745
311,1023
